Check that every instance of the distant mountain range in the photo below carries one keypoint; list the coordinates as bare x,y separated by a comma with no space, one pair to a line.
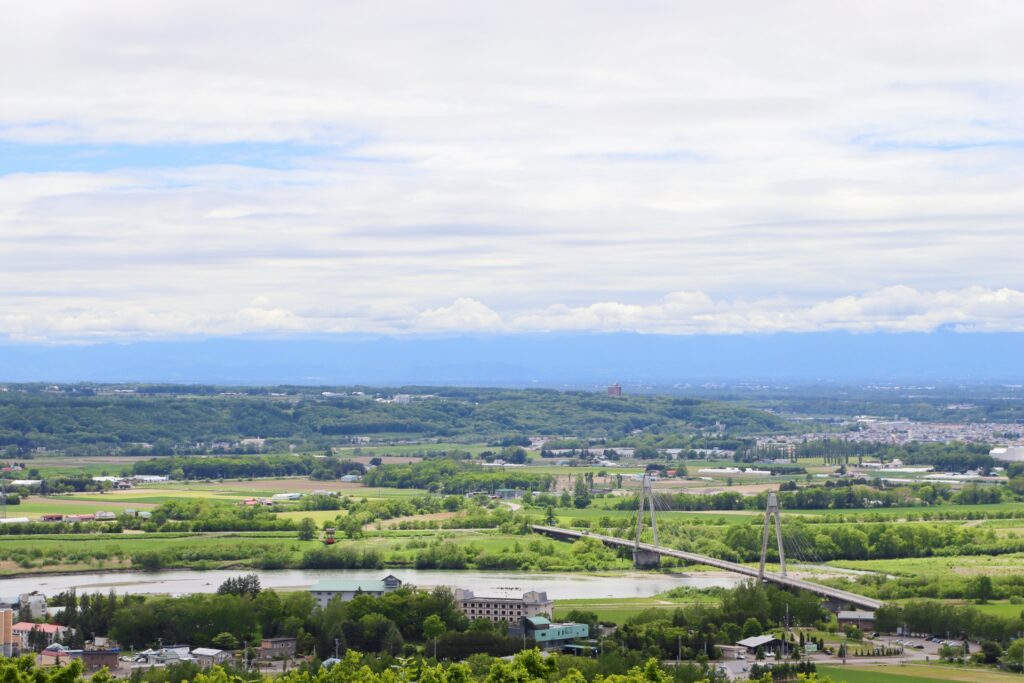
529,360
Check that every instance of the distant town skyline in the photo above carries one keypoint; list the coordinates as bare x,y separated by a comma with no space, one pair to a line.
175,170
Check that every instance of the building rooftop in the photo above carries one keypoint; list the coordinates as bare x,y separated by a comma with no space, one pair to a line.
206,651
45,628
342,586
855,615
538,622
757,641
561,632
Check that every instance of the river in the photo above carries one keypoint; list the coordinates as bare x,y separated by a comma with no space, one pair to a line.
558,586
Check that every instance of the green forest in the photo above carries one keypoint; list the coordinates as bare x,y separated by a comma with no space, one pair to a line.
193,421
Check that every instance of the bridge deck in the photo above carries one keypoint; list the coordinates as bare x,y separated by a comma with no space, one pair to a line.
773,577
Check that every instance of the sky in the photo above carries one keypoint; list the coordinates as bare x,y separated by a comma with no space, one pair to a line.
177,169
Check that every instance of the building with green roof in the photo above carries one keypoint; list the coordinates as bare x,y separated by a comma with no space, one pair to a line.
326,590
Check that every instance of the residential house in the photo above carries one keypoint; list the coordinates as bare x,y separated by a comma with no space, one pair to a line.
94,660
208,656
58,655
863,620
277,648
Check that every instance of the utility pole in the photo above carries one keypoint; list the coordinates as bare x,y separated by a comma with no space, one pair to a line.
772,511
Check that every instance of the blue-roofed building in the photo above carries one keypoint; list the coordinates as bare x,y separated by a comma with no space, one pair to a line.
549,636
326,590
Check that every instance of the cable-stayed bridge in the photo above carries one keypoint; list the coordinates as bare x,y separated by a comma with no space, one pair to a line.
647,554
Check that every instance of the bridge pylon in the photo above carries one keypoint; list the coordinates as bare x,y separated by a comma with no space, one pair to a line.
770,512
645,559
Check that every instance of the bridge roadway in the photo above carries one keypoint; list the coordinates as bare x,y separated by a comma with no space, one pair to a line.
773,577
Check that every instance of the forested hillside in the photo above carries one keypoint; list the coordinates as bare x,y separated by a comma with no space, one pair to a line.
162,420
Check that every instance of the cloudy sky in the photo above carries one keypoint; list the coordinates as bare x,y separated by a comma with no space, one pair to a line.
180,168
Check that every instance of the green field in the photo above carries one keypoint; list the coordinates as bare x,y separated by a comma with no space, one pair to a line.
1001,609
619,610
966,565
36,506
79,552
412,449
914,673
318,516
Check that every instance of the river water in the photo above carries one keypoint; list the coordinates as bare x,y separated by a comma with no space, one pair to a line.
558,586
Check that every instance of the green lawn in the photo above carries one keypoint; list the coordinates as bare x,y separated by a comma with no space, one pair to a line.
619,610
318,516
1001,609
914,673
1011,563
80,552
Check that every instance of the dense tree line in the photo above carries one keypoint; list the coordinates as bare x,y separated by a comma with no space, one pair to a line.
526,667
198,420
946,620
454,476
845,494
247,466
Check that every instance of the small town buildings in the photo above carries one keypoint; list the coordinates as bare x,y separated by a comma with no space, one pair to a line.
8,641
1008,453
510,610
22,631
277,648
208,656
171,654
862,619
326,590
150,478
549,636
94,660
57,655
14,520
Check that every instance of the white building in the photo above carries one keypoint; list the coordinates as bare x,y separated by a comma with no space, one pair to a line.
208,656
326,590
511,610
1008,453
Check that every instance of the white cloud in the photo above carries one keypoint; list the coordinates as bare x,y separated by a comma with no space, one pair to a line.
893,309
515,166
464,314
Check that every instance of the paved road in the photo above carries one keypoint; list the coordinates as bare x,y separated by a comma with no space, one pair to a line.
695,558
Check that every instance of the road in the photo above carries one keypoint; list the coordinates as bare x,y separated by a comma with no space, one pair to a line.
695,558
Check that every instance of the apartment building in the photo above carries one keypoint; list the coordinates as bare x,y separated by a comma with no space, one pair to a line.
511,610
